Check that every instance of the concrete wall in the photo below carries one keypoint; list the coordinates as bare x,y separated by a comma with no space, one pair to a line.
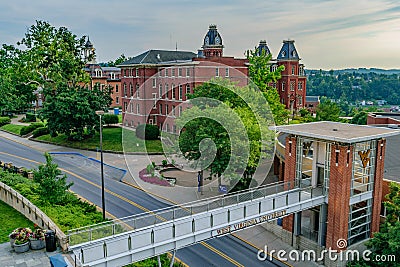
30,211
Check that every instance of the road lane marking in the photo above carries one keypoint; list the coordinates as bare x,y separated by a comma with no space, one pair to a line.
132,203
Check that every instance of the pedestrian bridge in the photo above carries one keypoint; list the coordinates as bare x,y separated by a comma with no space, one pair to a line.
135,238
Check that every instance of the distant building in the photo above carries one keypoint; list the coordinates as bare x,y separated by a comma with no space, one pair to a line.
292,86
312,103
155,83
104,76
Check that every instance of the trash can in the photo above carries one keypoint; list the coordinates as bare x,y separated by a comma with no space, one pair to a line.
50,239
116,111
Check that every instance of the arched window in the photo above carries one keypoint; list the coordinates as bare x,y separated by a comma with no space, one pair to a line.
131,89
137,91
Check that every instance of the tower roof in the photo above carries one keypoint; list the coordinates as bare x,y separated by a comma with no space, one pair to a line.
288,51
88,43
212,38
263,47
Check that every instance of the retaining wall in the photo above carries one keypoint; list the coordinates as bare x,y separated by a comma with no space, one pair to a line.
30,211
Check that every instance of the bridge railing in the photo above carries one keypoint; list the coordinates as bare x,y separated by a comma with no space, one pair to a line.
121,225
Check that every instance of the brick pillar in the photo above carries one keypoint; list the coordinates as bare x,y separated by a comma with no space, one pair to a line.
287,223
289,175
339,194
378,185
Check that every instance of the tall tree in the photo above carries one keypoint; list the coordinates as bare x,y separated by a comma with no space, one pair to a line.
15,94
262,76
71,111
52,60
53,57
226,129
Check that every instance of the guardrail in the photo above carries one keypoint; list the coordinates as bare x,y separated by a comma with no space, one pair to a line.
30,211
125,224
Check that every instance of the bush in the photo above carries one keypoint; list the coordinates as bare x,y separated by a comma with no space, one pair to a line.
147,132
40,131
110,119
4,121
27,129
30,117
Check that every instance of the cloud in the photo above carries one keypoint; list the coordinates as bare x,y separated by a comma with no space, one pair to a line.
131,27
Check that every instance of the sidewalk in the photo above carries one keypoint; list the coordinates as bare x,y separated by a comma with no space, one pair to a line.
31,258
260,237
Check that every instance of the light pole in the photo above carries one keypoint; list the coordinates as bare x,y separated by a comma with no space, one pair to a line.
103,203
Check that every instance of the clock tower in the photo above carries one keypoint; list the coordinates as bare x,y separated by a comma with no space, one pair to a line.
212,45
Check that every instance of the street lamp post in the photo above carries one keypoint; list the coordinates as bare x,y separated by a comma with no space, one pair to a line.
103,203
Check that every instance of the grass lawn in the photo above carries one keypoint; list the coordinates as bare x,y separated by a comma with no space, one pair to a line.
113,138
7,224
14,128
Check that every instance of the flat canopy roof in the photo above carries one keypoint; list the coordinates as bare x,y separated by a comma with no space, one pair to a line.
336,131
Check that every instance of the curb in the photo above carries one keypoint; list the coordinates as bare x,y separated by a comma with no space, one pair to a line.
10,133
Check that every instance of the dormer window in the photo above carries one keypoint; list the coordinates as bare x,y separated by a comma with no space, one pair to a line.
98,73
283,54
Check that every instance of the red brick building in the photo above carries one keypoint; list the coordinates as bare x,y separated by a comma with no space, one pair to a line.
155,83
104,76
344,163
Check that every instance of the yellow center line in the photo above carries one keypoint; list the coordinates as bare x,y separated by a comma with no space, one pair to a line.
132,203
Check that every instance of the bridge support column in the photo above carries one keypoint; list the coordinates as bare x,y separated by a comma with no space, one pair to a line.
322,225
297,224
159,261
172,259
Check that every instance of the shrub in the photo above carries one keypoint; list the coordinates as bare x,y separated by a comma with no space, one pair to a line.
27,129
53,184
164,163
150,169
30,117
147,132
40,131
110,119
4,121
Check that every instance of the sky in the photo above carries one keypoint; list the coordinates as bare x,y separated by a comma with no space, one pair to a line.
328,34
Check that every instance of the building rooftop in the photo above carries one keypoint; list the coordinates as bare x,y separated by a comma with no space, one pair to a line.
312,98
336,131
159,57
392,161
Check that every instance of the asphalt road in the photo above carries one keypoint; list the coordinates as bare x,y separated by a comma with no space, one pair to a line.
123,200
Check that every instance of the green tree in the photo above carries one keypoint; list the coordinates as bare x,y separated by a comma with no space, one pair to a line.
72,111
117,61
262,76
360,118
53,185
224,129
16,95
328,110
53,57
